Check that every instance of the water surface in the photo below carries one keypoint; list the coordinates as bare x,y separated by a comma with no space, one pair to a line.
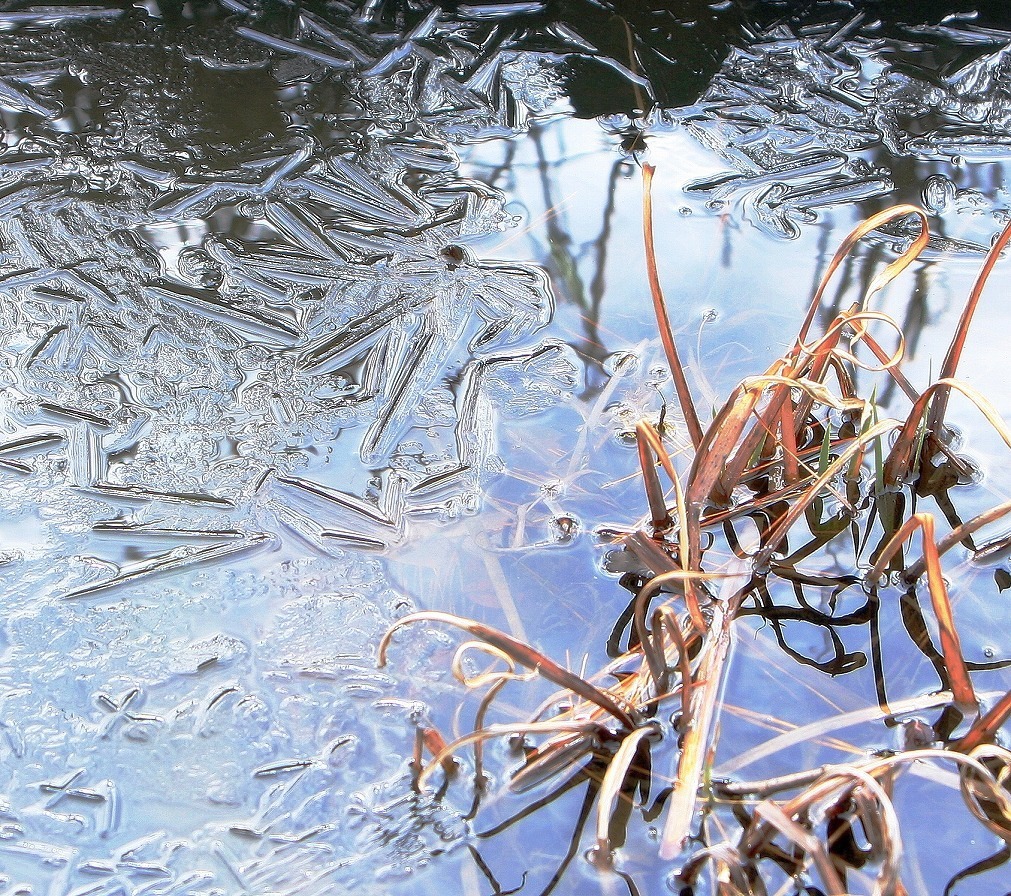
314,315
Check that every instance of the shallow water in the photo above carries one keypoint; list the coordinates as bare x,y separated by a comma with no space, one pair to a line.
314,316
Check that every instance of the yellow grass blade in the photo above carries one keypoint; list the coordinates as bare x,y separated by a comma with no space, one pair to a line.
610,787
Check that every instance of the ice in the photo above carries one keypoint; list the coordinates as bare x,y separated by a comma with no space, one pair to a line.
250,320
316,27
528,384
501,10
17,100
170,561
42,16
126,715
348,511
289,46
805,123
252,339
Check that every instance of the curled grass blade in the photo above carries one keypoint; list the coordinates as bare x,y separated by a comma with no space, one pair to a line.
816,390
855,319
654,654
903,451
494,680
521,653
661,563
481,679
977,781
884,277
886,362
986,794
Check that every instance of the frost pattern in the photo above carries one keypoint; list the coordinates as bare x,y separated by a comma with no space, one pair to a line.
155,355
247,339
811,120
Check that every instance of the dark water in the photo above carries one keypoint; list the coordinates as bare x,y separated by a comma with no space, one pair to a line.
314,314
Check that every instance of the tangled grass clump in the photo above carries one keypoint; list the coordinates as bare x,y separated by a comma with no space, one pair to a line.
793,449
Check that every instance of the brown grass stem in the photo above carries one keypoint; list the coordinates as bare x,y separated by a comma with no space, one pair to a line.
660,309
893,371
951,649
954,354
560,753
648,433
671,622
642,599
903,452
958,534
770,786
794,442
986,727
786,521
508,730
884,277
806,841
660,517
844,780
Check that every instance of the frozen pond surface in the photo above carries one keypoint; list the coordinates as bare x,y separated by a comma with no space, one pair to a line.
317,314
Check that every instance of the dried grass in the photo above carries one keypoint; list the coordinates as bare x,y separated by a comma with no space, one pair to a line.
784,444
